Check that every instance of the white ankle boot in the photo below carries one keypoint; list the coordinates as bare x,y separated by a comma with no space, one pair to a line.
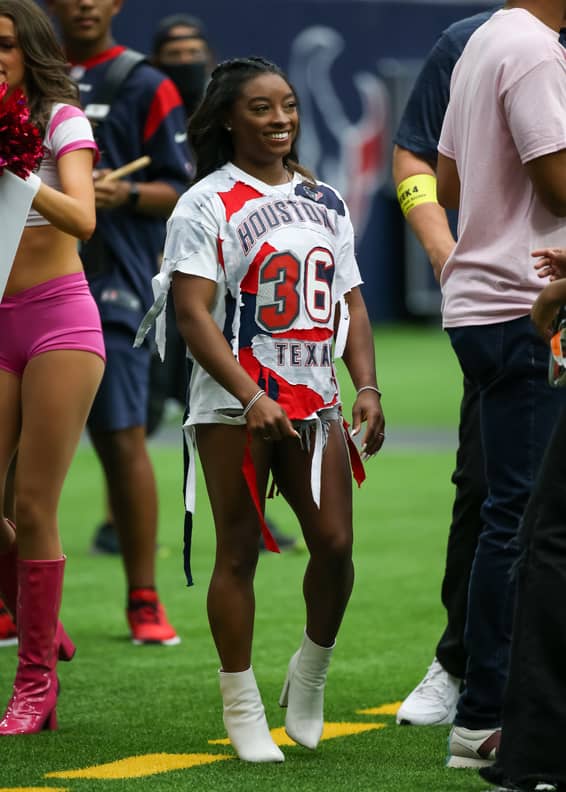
303,693
244,718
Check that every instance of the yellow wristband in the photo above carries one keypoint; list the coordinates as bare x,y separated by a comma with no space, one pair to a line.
416,190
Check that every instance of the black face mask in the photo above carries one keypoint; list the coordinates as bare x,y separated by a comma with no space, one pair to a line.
190,79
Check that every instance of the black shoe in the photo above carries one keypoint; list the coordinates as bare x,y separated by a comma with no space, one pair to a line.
105,540
285,542
492,773
529,786
495,775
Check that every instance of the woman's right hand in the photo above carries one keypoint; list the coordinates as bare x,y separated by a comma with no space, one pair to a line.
268,420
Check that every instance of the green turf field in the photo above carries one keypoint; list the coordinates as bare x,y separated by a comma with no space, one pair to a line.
134,718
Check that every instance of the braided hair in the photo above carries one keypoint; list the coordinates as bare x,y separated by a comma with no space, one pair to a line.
210,140
46,70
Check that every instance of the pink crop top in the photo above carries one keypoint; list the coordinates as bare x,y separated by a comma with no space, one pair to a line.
68,129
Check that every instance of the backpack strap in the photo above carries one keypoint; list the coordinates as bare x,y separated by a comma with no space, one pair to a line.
96,253
118,71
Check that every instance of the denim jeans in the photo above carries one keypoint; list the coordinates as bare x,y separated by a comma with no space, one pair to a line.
518,409
465,528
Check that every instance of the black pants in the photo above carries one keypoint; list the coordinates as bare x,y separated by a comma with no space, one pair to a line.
466,525
534,715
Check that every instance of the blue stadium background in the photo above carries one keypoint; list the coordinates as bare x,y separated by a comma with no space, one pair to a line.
352,62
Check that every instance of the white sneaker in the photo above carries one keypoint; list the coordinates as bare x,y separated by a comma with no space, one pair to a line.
472,747
433,701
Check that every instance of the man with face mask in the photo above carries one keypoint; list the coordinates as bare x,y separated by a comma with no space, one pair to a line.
182,51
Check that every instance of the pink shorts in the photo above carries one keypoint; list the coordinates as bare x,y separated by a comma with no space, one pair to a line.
58,314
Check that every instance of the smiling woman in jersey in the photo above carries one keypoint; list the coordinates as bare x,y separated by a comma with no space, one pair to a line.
51,359
260,256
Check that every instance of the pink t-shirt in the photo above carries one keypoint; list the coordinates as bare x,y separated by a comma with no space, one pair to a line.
68,130
507,107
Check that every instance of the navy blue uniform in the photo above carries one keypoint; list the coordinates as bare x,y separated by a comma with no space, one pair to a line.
420,126
146,118
421,123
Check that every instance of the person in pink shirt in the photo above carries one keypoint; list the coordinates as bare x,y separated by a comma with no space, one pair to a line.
502,154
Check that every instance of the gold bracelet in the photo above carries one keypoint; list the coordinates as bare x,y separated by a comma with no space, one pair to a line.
416,190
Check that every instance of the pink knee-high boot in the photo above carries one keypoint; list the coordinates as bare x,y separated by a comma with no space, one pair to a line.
32,707
9,590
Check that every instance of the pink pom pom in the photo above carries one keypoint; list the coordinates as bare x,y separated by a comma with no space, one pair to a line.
21,147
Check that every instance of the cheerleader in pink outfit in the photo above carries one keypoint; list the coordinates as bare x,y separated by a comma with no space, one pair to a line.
51,359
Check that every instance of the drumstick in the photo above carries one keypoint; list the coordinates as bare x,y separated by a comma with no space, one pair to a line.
126,170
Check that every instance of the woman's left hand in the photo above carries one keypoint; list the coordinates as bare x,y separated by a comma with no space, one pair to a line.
367,408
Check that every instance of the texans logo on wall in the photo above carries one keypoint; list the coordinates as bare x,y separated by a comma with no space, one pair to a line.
349,153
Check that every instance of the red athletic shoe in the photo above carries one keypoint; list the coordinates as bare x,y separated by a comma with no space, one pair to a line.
8,633
148,620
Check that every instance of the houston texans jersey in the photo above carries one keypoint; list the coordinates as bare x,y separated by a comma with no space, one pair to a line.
282,257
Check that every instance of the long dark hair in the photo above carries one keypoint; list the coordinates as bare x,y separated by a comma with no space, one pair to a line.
210,140
46,72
